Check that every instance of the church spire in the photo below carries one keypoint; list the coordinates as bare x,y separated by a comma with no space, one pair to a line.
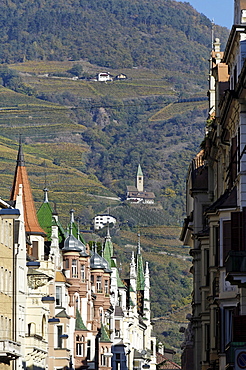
21,178
139,179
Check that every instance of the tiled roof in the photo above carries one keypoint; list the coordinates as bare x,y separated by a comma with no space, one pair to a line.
79,324
104,335
163,363
118,311
31,222
44,215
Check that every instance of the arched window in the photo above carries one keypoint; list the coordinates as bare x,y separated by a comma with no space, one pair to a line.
80,345
43,326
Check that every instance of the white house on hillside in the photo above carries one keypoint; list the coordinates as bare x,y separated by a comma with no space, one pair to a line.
102,220
104,77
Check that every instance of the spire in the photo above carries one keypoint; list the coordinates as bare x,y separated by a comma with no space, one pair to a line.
139,246
31,222
108,249
139,179
20,157
133,268
140,172
147,281
140,269
71,222
46,195
71,216
78,231
73,228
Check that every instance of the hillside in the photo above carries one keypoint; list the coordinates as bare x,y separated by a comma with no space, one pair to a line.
84,139
111,33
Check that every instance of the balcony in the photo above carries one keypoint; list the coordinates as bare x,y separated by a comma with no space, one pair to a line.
236,267
9,351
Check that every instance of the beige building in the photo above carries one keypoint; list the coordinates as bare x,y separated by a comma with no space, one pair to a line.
9,345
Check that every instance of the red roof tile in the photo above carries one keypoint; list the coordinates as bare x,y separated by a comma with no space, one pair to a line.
31,222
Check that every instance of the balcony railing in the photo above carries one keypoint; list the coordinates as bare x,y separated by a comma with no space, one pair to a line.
9,350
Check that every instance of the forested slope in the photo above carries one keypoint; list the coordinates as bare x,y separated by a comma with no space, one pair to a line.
112,33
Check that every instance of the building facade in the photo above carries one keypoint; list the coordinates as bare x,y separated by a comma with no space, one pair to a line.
63,305
215,223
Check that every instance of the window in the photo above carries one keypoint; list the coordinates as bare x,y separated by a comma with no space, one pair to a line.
99,284
117,361
43,326
88,349
103,358
80,345
117,329
106,287
67,263
74,269
59,333
207,341
35,249
82,273
58,296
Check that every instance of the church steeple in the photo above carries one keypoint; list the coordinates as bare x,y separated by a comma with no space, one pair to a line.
31,222
139,179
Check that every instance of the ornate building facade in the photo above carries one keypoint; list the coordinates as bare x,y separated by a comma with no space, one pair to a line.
68,307
215,223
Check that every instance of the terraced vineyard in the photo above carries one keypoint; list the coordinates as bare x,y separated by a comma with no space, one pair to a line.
175,109
61,139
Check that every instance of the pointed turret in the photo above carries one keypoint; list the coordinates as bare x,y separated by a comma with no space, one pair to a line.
48,218
72,243
108,249
139,180
32,226
140,269
73,227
